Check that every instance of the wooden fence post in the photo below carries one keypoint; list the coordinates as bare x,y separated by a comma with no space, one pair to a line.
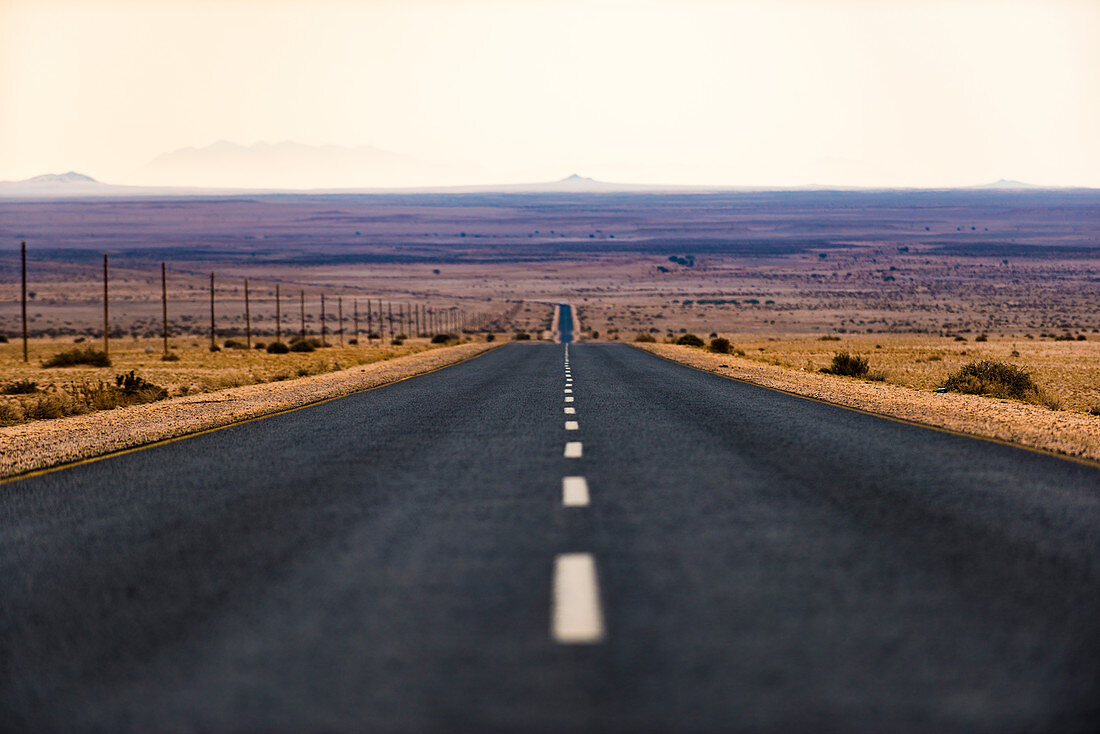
302,307
324,327
213,345
369,319
23,251
164,305
340,318
355,309
278,315
247,317
106,319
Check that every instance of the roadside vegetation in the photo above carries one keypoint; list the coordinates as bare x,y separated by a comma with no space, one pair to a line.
1002,380
85,397
1061,374
138,371
78,356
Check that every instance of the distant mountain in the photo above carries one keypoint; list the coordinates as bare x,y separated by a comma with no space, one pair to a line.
290,165
571,183
54,184
59,179
1005,183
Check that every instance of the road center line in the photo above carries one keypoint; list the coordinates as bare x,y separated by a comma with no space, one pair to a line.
569,398
576,615
572,426
574,492
570,411
573,450
568,390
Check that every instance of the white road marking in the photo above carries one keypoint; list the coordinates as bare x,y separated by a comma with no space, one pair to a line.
572,426
568,390
574,492
570,411
569,399
573,450
575,610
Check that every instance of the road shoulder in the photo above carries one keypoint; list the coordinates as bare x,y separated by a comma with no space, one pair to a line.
40,445
1071,434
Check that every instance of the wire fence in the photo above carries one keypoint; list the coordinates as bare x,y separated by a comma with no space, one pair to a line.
370,318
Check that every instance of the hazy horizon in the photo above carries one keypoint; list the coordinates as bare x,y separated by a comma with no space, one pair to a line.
921,93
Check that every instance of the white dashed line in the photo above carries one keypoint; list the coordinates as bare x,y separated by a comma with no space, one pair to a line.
575,612
574,492
570,411
572,426
569,399
568,390
573,450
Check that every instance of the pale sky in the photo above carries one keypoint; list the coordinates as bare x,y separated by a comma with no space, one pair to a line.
745,92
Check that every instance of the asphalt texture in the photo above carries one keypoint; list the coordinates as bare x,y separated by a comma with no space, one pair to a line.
565,323
383,562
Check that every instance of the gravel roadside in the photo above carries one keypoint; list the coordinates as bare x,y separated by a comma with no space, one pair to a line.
40,445
1063,432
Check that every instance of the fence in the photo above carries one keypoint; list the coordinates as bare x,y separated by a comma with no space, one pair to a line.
420,319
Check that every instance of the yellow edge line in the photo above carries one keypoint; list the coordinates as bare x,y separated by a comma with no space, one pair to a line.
243,421
906,421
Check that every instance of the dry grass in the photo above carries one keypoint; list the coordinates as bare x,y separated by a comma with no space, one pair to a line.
1068,373
76,390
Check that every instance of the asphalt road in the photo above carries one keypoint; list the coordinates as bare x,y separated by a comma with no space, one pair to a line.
402,560
565,323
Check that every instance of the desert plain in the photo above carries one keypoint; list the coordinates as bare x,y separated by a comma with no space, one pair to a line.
918,282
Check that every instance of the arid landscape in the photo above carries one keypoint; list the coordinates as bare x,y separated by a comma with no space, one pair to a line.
920,282
932,262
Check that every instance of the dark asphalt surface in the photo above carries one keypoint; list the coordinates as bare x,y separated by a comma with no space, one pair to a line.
383,562
565,323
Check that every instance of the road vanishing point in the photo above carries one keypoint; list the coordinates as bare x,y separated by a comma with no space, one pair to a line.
556,537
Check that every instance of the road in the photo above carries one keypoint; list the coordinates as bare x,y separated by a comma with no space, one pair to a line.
412,558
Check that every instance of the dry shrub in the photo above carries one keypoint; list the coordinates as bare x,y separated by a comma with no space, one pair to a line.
721,345
11,412
689,340
642,336
849,365
20,387
995,379
77,356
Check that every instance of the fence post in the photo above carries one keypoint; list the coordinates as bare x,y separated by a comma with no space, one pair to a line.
355,309
23,251
164,305
106,319
369,326
389,310
302,307
213,345
340,318
324,327
247,317
278,315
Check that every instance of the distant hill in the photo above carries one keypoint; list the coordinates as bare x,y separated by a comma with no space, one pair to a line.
1005,183
54,184
59,179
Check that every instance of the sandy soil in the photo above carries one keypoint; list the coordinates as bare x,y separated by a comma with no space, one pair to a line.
197,369
1065,432
1068,372
42,444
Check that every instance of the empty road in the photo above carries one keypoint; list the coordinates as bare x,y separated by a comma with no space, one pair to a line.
576,537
